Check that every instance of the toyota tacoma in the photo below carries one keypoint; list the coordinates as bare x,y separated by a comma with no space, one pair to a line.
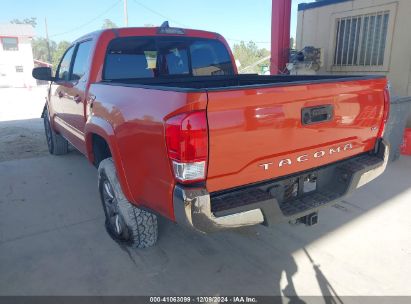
176,132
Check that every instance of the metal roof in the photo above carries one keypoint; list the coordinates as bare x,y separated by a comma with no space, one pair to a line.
16,30
318,3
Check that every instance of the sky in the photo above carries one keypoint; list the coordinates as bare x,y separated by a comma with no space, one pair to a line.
236,20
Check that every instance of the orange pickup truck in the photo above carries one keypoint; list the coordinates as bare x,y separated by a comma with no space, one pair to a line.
175,131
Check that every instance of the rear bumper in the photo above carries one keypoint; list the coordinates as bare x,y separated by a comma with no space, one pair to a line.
259,204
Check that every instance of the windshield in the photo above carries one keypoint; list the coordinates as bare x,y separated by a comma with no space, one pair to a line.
149,57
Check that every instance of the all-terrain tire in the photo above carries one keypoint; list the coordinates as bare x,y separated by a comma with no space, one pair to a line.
56,143
140,228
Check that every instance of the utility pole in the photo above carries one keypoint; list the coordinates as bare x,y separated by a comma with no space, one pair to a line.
48,42
125,13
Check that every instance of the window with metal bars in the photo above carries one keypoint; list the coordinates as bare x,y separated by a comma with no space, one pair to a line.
361,40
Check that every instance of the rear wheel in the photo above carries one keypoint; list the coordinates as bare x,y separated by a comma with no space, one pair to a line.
124,221
56,143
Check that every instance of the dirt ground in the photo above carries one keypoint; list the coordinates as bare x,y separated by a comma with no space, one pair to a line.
22,140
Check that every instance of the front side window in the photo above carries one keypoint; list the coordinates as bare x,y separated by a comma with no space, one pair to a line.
10,43
361,40
150,57
63,71
82,60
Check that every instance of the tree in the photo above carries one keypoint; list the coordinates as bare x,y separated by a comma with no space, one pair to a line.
248,54
61,48
32,21
107,24
39,45
40,51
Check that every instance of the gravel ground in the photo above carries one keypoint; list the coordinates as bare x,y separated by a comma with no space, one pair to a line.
21,129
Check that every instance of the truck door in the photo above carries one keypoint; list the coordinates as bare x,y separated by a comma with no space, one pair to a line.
75,95
58,90
69,94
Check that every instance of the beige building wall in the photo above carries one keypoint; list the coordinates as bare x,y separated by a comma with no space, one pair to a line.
318,27
22,57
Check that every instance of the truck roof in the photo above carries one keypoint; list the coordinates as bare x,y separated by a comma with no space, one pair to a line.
151,31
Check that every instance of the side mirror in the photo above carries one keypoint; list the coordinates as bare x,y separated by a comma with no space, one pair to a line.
42,73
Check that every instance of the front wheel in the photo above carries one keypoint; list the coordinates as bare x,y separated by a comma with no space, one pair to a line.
56,143
124,221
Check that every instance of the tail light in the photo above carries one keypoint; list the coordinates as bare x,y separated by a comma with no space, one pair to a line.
187,146
386,111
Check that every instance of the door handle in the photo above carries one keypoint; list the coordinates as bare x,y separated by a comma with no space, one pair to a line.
60,94
77,98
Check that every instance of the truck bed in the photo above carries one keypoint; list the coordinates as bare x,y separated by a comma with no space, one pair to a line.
234,82
256,123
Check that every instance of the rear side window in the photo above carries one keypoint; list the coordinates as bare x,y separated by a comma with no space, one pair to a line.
150,57
82,60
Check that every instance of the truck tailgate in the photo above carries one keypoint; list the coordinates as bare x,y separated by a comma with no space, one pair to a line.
261,133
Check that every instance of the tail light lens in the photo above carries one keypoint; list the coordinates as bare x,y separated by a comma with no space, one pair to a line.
187,145
386,111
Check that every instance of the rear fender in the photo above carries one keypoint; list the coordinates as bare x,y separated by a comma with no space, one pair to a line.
101,127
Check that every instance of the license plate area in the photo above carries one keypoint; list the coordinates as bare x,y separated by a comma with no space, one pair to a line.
298,193
294,188
310,183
